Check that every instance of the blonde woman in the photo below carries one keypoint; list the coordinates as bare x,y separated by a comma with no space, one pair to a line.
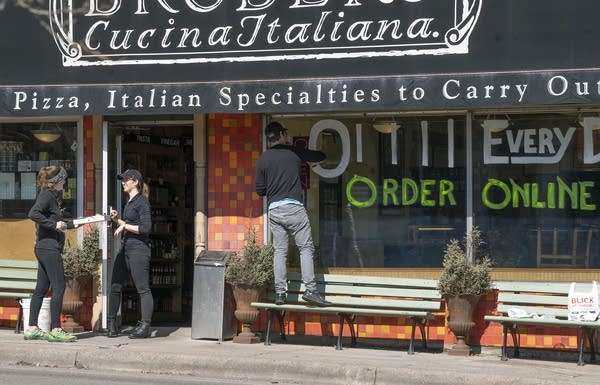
47,213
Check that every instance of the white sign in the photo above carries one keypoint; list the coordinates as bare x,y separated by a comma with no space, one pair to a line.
115,32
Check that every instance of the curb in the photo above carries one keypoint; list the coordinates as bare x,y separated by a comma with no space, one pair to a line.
288,364
181,364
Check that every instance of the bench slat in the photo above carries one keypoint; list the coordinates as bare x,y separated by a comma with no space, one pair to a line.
329,288
339,309
18,264
18,274
559,312
371,302
558,300
9,284
5,294
549,322
368,280
540,287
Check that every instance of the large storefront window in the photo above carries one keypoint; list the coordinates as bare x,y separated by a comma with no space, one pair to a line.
24,149
391,192
536,188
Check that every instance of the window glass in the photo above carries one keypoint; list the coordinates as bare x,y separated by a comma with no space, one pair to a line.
24,149
536,188
385,196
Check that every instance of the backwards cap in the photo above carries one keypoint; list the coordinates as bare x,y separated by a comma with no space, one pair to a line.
273,130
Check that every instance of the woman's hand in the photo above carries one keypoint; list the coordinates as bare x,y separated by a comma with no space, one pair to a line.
121,228
114,215
61,226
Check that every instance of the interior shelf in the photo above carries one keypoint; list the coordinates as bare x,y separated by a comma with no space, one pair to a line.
166,170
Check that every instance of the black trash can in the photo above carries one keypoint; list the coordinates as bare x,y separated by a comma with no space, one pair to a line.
213,304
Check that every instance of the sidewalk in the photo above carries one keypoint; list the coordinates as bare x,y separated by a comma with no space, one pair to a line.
171,350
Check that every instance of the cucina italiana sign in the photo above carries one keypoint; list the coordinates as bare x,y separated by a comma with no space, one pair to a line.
117,32
278,56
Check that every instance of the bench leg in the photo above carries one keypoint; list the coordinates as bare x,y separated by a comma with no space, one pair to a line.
338,345
280,318
19,318
350,321
580,361
593,333
422,325
269,322
504,340
514,331
411,346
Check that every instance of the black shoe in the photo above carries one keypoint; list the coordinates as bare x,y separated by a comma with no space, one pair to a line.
279,298
141,331
313,297
111,329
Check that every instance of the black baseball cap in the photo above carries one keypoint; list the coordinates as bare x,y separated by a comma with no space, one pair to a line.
130,174
274,129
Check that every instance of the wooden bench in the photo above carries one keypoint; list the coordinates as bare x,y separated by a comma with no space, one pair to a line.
546,302
354,295
17,280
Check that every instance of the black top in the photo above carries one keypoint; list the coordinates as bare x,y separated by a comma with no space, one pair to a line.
46,212
278,171
137,212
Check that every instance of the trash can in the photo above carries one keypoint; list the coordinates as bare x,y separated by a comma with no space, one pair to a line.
213,305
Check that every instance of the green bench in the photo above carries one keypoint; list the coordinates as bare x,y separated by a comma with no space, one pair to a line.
355,295
548,302
17,280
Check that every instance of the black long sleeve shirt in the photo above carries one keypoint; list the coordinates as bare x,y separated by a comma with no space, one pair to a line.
46,212
278,172
137,212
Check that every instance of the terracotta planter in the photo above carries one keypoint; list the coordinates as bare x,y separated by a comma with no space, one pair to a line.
460,309
71,304
246,314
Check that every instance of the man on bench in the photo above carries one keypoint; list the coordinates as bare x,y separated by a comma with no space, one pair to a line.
278,178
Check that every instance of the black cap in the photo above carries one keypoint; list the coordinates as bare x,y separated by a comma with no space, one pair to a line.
274,129
130,174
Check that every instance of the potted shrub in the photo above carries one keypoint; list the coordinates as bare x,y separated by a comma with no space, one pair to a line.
80,262
249,272
462,282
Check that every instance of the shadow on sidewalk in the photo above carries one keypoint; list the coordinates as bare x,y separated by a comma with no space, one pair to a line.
155,332
362,343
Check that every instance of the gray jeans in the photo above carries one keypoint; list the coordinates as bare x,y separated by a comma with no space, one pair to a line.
292,220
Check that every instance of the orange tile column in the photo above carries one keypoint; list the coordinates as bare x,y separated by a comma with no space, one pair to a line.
234,145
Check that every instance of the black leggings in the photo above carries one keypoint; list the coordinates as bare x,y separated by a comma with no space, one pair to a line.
50,274
133,257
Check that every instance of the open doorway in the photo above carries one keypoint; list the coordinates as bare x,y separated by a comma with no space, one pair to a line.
163,152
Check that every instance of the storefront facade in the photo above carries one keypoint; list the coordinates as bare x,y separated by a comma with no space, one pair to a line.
435,117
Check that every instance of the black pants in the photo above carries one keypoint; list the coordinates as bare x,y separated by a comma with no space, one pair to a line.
50,274
134,257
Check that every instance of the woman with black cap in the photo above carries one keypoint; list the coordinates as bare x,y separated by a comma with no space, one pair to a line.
134,255
47,213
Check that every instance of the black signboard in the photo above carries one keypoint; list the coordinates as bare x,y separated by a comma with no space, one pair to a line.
163,56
